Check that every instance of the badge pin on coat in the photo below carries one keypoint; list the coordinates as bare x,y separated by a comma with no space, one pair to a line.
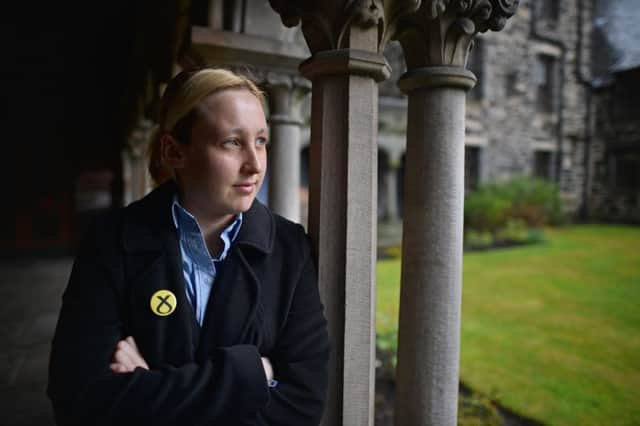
163,303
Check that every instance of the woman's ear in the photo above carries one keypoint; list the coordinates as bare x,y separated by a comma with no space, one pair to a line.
171,151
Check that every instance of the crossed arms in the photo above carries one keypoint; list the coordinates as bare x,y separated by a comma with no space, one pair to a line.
97,375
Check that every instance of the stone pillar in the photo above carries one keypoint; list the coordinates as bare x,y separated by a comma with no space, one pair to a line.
391,188
285,100
436,83
432,247
343,219
345,38
136,179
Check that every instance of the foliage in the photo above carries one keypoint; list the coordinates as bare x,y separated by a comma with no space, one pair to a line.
393,251
478,239
507,211
548,331
486,209
387,342
477,410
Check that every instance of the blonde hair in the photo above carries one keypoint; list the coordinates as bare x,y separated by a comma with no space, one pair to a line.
184,92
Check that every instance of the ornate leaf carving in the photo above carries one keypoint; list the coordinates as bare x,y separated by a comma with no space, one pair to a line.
441,32
438,31
326,24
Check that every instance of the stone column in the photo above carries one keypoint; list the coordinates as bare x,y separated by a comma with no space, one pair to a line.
391,186
432,247
345,38
136,179
285,100
436,40
343,219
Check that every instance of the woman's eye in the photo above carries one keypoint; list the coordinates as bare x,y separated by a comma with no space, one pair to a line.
231,142
262,142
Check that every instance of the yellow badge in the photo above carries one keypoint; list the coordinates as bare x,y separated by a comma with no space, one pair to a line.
163,303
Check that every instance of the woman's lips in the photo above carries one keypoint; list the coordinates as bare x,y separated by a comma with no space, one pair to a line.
245,188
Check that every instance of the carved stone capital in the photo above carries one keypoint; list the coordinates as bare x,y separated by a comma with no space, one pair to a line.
346,61
341,24
285,94
292,82
440,32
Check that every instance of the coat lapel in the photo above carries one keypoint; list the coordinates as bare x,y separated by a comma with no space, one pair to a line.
153,263
231,307
234,311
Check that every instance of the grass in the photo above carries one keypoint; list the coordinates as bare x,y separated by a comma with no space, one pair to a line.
550,331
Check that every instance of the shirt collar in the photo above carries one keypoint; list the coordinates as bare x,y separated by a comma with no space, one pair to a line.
187,224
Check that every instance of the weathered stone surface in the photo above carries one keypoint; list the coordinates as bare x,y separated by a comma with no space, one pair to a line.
502,117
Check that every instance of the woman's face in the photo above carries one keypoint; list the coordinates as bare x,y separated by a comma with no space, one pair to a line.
225,162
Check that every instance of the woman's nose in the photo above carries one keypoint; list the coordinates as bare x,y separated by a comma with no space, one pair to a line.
253,161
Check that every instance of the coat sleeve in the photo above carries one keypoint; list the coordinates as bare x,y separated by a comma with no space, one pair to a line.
228,388
301,356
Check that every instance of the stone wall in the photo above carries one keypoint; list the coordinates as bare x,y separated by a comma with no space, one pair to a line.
508,114
578,135
504,119
615,153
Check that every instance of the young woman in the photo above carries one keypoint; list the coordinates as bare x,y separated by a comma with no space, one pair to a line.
195,305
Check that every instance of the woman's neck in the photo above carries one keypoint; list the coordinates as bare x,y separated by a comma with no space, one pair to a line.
211,226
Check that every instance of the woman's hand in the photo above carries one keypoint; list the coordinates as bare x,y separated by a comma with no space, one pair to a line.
268,369
127,357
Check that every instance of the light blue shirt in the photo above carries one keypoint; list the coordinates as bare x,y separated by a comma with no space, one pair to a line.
198,266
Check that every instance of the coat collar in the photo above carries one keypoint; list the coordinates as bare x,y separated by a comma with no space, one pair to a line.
148,223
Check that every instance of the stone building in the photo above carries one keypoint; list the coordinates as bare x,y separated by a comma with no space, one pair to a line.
614,174
615,149
533,80
562,80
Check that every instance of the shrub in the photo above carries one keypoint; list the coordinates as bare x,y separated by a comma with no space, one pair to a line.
394,251
486,210
387,344
510,210
534,200
515,230
477,239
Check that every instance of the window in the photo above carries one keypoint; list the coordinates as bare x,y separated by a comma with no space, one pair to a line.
475,64
543,78
471,168
626,171
542,164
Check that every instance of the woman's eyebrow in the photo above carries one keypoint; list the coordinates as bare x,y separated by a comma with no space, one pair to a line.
242,130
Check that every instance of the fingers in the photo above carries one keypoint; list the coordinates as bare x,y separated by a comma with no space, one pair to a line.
130,340
118,368
127,357
268,369
135,354
122,359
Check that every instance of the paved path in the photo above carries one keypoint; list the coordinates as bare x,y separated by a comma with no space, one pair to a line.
30,297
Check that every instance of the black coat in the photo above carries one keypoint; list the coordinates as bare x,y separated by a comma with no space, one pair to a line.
264,302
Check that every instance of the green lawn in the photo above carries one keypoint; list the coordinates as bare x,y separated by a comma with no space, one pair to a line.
551,331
